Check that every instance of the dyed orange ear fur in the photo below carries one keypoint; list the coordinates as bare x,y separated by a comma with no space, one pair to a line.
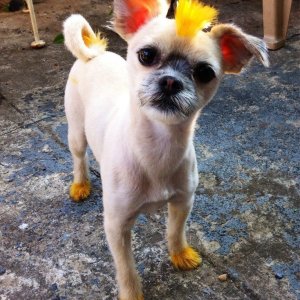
130,15
237,48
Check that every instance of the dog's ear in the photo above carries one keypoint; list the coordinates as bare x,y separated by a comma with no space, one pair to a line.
130,15
237,48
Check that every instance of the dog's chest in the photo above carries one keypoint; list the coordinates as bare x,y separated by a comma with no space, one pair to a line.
161,192
164,194
158,197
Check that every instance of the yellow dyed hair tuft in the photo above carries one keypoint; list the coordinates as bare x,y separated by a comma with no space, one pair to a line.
192,16
93,39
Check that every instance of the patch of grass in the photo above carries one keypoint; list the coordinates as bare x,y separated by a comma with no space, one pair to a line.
59,39
6,8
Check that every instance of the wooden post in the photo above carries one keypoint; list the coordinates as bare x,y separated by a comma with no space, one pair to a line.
37,43
276,15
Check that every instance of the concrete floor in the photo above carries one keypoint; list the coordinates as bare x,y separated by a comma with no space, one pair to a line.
246,219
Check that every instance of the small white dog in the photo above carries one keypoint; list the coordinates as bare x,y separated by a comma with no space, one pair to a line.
138,116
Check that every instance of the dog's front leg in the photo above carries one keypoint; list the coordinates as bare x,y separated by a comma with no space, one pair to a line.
182,255
118,234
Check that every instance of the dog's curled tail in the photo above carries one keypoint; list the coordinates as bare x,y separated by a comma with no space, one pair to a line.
81,40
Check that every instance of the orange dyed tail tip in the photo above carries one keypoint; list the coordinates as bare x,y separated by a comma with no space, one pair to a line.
80,191
187,259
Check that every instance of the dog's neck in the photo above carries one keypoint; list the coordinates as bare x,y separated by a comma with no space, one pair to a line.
160,147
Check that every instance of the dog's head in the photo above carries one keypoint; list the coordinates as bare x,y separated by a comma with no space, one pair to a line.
174,66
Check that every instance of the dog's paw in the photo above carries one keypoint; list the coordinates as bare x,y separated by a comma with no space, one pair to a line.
80,191
187,259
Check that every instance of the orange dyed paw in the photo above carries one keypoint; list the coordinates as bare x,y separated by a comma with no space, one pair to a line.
187,259
80,191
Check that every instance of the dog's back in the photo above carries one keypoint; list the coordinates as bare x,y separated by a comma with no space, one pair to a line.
91,88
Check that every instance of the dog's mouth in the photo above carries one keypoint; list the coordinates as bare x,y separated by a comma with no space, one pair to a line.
179,104
170,93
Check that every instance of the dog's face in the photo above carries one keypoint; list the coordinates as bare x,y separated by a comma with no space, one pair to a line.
173,77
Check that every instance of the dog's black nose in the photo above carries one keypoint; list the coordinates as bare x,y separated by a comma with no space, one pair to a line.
170,85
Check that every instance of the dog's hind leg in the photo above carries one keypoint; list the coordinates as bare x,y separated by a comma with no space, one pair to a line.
80,188
182,255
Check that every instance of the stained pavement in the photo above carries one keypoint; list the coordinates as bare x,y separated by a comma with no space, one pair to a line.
246,219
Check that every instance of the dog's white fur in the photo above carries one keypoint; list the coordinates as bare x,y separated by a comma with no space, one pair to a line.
147,158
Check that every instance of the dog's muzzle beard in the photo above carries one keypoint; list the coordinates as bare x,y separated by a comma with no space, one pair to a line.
182,103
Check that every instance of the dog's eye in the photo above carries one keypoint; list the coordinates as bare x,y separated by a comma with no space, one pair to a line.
148,56
204,73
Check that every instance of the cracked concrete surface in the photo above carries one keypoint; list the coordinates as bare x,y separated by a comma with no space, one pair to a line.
246,219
